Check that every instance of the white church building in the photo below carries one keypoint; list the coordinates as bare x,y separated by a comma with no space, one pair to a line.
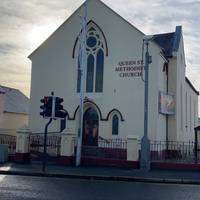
114,86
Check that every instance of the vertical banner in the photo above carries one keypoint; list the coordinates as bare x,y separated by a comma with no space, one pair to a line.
166,103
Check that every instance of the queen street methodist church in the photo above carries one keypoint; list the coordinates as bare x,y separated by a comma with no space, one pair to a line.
114,86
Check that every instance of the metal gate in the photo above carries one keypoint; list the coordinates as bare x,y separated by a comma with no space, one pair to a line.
36,147
9,140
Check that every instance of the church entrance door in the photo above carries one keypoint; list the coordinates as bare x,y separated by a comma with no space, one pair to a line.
90,127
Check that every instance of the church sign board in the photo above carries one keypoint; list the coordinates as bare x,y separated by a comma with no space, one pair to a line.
132,68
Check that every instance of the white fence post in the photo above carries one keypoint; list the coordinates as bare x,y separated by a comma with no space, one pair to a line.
67,148
132,148
22,145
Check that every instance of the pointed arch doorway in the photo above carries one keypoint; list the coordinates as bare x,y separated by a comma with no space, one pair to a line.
90,127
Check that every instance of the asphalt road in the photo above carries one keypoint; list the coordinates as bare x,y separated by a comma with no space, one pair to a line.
40,188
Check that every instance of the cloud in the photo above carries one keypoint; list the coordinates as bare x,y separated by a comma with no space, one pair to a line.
158,16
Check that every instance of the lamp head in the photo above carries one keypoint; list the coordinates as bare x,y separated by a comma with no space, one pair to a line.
148,38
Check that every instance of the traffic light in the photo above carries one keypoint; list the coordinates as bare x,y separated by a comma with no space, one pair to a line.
52,107
58,102
59,112
46,107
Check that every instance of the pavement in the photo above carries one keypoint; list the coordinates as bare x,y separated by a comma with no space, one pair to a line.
102,173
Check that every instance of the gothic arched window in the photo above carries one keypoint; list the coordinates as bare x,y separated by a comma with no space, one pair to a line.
90,73
99,71
96,48
115,125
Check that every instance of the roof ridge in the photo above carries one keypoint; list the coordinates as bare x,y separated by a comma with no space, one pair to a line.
163,33
9,87
12,89
191,85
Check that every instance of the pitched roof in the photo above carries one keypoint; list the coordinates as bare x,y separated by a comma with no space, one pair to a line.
2,91
165,41
15,101
191,86
169,42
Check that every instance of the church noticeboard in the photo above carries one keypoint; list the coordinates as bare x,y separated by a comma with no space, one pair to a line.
132,68
166,103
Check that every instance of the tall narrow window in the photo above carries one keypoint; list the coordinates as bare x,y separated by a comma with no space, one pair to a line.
99,71
79,77
194,114
90,74
186,111
190,113
115,125
181,99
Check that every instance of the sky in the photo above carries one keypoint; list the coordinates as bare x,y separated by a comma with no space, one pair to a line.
25,24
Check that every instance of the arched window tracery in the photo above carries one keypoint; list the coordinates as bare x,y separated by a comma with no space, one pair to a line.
95,52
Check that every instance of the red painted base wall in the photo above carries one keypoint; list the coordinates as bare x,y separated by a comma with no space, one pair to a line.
109,162
175,166
22,157
65,160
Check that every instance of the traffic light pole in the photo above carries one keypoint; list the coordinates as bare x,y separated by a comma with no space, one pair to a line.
45,146
82,58
52,109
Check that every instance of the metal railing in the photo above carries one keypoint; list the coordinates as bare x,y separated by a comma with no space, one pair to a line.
173,151
9,140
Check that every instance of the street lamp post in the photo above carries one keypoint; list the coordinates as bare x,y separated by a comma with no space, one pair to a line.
145,142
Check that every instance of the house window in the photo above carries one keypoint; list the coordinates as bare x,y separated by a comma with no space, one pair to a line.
95,51
115,125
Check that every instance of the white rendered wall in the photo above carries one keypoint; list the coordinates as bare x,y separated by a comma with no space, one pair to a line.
161,118
2,102
54,69
181,125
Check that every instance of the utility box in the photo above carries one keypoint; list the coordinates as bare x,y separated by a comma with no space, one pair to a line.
3,153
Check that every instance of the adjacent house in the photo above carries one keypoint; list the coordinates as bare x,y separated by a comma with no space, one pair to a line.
14,110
